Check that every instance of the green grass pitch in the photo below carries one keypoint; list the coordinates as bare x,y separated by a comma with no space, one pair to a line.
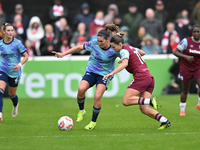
118,127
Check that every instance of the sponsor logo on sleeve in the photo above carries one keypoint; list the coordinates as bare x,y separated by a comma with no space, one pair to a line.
122,54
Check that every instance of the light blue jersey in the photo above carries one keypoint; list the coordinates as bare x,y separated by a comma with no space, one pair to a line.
182,45
101,61
10,54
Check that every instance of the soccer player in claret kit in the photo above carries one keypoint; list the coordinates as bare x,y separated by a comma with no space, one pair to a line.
143,83
11,50
189,52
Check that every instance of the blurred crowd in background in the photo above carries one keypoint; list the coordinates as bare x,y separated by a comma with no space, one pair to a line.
154,33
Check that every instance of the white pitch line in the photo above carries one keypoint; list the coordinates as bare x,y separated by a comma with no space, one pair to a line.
111,135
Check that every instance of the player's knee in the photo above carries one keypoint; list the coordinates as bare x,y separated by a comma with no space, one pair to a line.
81,91
97,97
125,102
10,93
184,91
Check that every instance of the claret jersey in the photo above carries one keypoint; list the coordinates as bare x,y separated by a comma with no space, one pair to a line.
136,65
189,47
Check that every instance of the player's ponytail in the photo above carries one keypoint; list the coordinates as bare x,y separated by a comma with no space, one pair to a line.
5,24
118,38
109,28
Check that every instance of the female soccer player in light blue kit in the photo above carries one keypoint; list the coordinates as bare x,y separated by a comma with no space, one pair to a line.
100,63
11,50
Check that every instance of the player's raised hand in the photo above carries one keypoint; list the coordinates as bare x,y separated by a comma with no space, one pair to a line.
58,54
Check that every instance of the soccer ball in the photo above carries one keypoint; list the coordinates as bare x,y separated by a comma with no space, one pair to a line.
65,123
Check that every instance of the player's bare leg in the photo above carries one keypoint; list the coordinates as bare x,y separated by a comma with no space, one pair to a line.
184,93
130,98
145,109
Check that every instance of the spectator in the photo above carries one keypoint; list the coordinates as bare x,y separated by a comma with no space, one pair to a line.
165,44
30,49
196,13
97,31
57,11
175,67
65,45
184,14
97,22
81,31
25,19
149,46
183,30
138,42
64,28
84,16
19,27
81,41
50,41
156,43
35,33
152,25
118,21
16,35
132,20
111,13
161,14
125,30
3,17
183,25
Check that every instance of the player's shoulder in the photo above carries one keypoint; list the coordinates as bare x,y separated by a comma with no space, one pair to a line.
184,41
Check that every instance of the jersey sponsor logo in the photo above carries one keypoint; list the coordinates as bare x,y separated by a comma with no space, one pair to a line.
122,54
194,51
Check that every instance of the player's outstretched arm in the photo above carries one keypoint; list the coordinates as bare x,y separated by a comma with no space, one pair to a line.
70,51
123,65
